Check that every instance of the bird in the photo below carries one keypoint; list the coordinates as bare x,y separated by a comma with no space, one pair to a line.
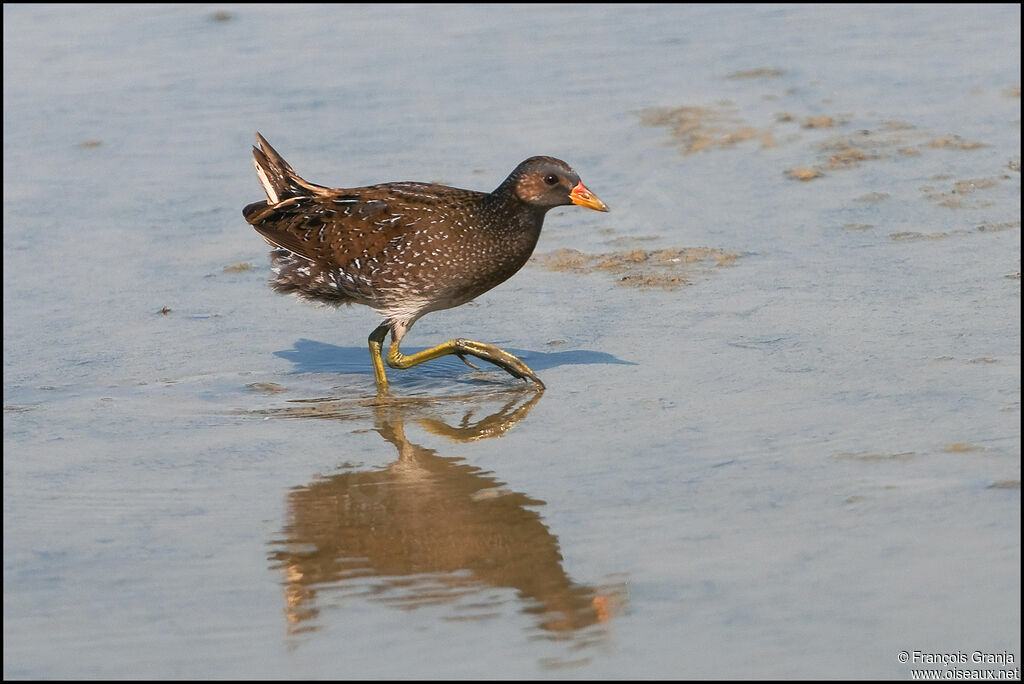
406,249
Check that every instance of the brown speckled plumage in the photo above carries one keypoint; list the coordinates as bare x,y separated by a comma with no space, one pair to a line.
405,249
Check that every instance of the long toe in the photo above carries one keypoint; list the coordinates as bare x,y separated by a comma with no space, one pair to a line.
512,365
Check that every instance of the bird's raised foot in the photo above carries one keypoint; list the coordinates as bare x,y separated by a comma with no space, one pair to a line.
509,363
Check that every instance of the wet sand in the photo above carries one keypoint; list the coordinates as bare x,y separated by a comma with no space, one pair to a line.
781,430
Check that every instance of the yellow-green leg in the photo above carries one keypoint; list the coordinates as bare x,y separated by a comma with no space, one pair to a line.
376,344
460,347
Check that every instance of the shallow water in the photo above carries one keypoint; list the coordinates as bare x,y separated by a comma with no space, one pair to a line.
794,455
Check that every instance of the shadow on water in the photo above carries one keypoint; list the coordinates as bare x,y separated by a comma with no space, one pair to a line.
310,356
431,530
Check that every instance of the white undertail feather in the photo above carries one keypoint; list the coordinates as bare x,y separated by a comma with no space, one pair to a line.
268,187
278,178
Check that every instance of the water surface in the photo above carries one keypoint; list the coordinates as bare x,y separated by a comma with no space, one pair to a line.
781,435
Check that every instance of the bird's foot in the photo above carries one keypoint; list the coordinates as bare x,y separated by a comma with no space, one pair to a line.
509,363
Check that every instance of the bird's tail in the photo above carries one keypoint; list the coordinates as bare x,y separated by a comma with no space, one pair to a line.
279,179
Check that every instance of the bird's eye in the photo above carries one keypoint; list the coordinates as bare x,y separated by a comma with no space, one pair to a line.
551,179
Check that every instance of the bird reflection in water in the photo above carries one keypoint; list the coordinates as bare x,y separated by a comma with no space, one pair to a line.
430,530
